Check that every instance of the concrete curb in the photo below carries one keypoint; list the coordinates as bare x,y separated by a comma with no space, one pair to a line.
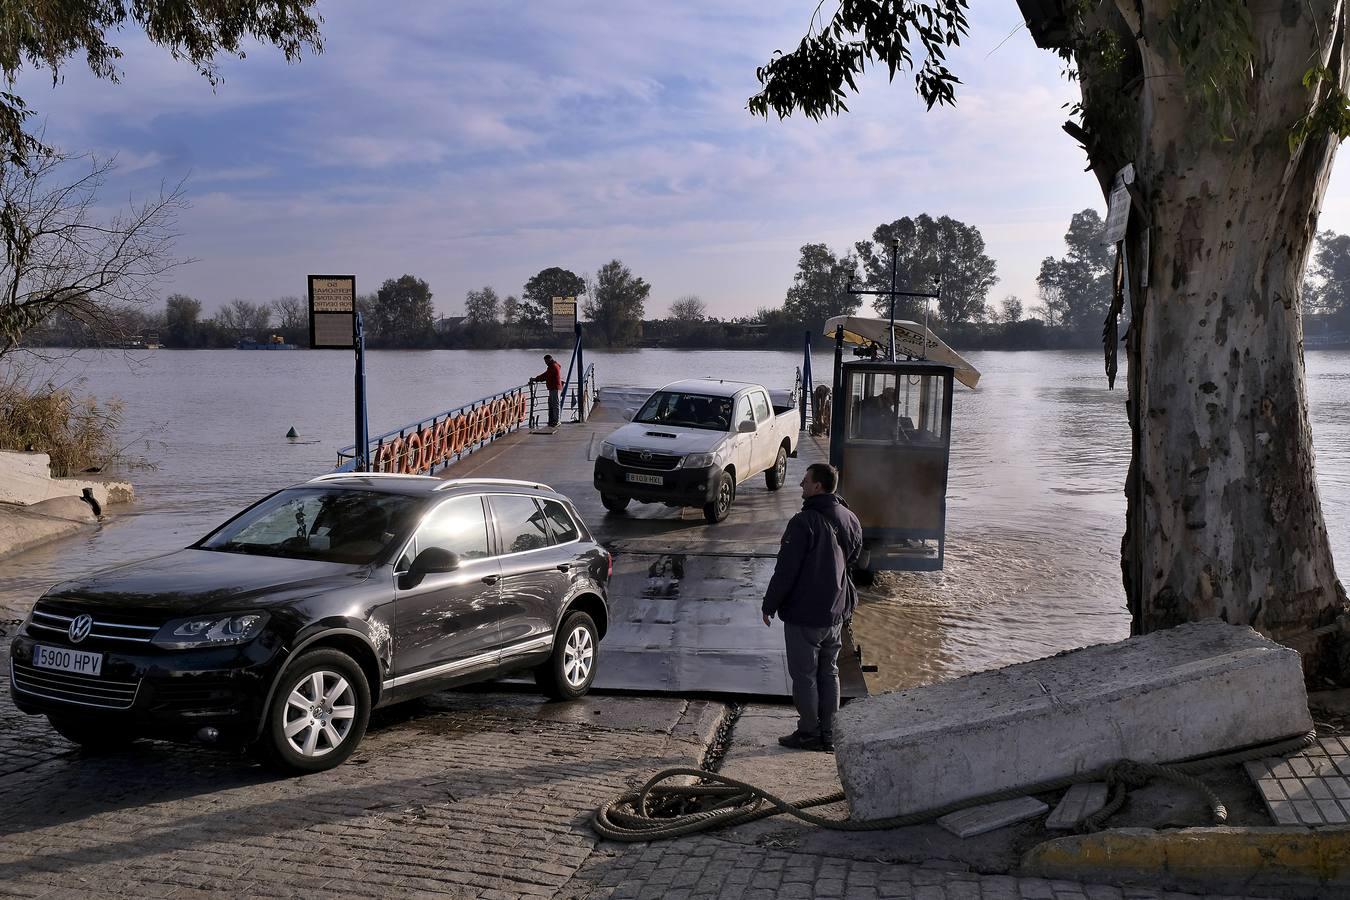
698,724
1284,862
20,531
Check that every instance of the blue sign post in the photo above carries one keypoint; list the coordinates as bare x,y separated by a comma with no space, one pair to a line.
335,324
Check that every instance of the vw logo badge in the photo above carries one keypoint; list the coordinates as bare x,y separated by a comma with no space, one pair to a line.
645,456
79,628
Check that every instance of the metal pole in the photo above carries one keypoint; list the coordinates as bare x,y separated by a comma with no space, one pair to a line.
837,407
895,260
581,378
806,381
362,428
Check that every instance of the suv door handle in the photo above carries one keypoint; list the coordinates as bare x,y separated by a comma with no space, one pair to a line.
564,567
491,579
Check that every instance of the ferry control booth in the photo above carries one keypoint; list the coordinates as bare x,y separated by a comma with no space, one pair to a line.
890,439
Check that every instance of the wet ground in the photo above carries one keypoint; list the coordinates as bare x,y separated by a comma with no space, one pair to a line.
685,595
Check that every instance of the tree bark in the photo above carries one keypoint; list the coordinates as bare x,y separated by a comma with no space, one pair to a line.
1224,515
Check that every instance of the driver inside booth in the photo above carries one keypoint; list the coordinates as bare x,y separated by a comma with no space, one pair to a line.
876,416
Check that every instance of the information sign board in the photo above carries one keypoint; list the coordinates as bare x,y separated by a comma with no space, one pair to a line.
564,314
1118,212
332,312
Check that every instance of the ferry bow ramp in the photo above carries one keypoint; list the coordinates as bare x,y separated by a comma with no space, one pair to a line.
685,594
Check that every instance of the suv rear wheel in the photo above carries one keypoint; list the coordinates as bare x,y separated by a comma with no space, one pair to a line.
570,670
318,712
91,737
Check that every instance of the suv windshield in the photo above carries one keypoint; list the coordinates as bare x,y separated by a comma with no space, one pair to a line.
686,411
328,525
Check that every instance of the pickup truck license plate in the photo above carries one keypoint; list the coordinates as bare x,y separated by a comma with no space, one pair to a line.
80,662
645,479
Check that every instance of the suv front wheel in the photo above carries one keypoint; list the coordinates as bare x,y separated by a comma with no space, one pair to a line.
318,712
570,670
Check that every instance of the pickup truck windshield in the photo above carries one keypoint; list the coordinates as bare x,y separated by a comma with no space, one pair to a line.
686,411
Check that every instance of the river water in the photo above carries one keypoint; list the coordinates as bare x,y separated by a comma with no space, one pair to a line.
1035,509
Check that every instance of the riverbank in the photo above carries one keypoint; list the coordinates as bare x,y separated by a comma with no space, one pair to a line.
36,509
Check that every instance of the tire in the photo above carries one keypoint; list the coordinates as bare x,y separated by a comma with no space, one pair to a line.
322,741
614,504
568,673
776,477
91,737
726,493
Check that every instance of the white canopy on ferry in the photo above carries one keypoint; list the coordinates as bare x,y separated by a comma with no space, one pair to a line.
909,341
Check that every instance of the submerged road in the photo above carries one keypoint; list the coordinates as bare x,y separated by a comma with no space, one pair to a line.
685,595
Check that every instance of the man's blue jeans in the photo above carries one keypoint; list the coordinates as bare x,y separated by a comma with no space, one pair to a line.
813,663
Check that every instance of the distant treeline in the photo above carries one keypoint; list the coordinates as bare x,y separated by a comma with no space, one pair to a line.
924,252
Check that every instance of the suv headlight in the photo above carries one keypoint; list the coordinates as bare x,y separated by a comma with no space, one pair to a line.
699,460
607,450
210,631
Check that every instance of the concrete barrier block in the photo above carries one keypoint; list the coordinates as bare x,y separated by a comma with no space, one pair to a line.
1189,691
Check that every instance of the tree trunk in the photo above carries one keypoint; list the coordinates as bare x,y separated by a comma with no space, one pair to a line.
1224,516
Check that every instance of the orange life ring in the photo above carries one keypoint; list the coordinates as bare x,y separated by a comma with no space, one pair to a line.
522,406
393,455
455,439
412,453
470,428
427,436
443,445
499,415
377,459
481,418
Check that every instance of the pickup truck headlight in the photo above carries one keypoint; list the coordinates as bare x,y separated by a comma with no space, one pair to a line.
210,631
607,450
699,460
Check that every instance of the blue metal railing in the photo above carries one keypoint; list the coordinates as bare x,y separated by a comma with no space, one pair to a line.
435,442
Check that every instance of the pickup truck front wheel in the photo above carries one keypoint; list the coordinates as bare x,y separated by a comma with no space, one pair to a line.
717,510
614,504
777,476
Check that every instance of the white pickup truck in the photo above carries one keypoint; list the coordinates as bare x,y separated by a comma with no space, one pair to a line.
693,442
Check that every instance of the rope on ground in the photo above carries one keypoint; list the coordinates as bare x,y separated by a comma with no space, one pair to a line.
660,811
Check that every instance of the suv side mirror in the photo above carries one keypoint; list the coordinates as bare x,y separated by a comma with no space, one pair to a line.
430,561
434,560
746,427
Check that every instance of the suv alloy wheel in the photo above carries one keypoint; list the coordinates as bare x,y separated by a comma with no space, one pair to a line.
568,673
318,712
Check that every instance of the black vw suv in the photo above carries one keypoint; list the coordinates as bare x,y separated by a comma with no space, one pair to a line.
285,626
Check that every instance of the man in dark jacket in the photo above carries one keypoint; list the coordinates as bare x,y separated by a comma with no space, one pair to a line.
552,378
813,595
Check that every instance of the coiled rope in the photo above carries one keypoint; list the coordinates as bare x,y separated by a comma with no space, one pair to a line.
661,811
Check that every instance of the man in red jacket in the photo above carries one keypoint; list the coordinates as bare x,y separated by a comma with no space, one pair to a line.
552,379
812,593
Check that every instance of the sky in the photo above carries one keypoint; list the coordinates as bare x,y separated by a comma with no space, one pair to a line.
474,143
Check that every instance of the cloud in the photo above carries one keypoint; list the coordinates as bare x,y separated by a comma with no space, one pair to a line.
478,142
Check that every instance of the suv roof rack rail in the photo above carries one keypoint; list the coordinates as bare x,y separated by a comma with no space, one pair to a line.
454,482
332,476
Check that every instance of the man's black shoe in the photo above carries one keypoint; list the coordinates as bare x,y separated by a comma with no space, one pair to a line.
826,743
799,741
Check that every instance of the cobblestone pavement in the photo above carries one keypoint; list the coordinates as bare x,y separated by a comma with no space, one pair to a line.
709,867
464,794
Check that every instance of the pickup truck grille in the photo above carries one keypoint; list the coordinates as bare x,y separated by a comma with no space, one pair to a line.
645,459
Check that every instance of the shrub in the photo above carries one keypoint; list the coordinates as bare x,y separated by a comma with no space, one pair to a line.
78,432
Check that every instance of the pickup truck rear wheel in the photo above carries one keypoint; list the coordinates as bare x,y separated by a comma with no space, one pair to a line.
614,504
717,510
776,477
